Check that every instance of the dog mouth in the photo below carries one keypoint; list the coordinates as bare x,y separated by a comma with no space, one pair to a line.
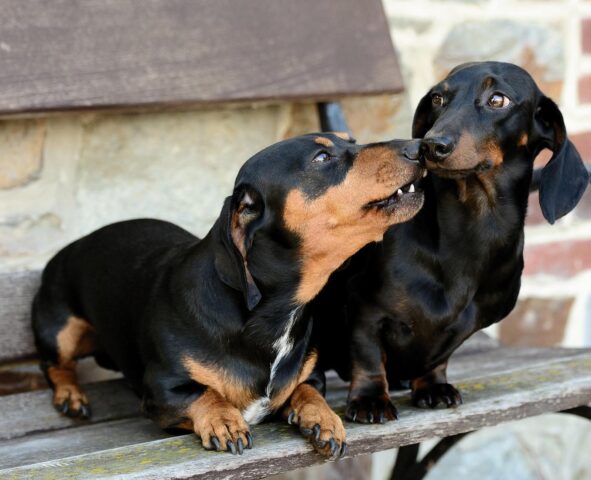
481,167
407,195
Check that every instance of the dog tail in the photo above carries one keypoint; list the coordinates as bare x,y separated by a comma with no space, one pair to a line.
536,178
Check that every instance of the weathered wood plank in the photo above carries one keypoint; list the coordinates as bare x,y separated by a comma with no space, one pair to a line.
489,399
33,411
129,53
113,400
16,294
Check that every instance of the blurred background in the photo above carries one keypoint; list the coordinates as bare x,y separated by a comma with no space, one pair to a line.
61,176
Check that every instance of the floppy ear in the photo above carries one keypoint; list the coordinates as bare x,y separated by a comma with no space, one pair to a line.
565,178
242,214
422,120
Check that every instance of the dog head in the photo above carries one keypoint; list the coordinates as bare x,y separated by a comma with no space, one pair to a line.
487,114
304,205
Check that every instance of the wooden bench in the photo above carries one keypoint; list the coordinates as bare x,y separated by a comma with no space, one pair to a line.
219,53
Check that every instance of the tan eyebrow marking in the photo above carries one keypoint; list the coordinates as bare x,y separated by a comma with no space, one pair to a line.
342,135
324,141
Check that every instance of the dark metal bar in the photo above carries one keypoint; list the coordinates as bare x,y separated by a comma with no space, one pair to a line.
332,117
406,459
583,411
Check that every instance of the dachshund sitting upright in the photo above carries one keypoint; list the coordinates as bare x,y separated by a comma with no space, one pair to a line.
213,333
455,268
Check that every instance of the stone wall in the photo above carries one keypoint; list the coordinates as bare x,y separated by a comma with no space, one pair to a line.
62,176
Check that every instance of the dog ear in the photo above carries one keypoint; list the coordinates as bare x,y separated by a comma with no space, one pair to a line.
565,178
422,121
240,219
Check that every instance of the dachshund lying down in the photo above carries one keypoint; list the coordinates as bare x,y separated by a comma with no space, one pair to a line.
403,306
212,334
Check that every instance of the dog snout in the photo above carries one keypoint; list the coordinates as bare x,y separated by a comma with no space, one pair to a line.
436,149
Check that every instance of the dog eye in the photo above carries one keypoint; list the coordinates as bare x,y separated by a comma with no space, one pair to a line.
498,100
437,100
322,157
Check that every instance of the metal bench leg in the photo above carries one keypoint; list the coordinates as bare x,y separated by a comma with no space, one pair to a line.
407,467
332,117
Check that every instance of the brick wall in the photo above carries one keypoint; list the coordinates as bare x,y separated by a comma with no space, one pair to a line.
552,40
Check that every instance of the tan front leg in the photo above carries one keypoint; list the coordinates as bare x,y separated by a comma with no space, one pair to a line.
218,423
308,409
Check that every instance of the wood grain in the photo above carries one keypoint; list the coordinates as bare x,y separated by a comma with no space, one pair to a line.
129,53
532,381
16,294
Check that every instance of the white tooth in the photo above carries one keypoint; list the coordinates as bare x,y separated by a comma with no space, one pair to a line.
399,192
424,173
412,188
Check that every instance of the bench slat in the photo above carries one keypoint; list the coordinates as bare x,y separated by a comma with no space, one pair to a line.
113,400
130,53
535,387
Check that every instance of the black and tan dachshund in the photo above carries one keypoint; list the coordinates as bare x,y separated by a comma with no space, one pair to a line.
455,268
212,334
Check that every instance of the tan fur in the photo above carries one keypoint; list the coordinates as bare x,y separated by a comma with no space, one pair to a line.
327,142
65,386
236,393
311,409
335,225
523,140
75,339
342,135
212,415
239,395
281,397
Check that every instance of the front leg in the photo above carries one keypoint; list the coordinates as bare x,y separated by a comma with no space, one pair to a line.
432,390
198,408
369,400
308,409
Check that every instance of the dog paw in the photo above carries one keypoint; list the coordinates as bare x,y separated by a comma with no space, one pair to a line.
368,409
219,424
436,394
317,422
71,401
225,430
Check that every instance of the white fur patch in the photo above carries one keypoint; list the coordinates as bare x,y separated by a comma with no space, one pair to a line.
259,409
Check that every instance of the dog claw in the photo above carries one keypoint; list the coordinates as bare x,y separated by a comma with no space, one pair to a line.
306,431
334,446
240,446
437,394
85,411
290,417
215,442
344,450
316,432
248,439
231,447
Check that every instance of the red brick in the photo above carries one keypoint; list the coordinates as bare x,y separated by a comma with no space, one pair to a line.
585,89
562,259
536,322
583,143
586,35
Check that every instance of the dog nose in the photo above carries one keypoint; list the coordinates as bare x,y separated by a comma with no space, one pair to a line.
412,151
437,149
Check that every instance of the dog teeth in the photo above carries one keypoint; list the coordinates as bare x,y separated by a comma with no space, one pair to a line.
412,188
424,173
399,192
